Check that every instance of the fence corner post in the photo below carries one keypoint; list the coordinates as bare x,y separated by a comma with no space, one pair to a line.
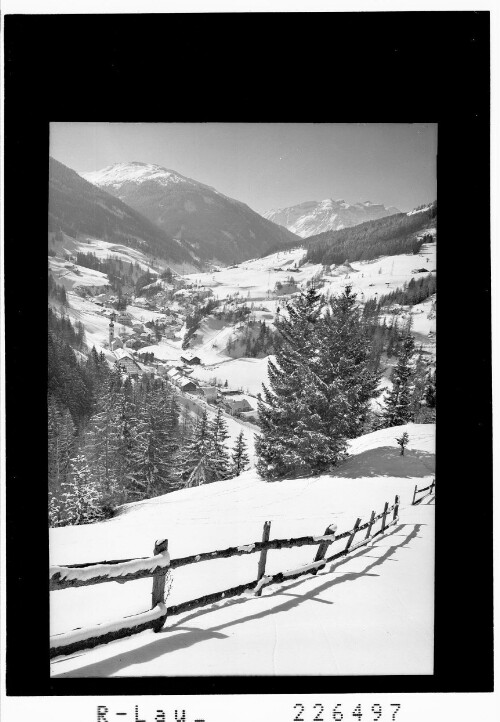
263,556
158,592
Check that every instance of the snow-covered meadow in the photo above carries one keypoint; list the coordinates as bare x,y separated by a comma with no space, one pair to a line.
370,614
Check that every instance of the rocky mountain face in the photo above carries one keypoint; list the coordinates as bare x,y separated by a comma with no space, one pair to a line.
216,228
313,217
78,208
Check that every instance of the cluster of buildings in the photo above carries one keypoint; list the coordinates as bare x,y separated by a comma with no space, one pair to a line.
234,402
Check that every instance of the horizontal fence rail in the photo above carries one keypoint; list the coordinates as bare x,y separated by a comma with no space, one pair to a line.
160,564
429,489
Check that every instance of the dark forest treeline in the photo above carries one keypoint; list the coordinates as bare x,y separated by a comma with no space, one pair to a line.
112,440
387,236
56,292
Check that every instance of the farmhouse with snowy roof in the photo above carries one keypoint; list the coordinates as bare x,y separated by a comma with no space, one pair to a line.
236,404
127,363
185,384
190,358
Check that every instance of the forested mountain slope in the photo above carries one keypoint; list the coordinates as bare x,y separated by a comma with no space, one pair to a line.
216,227
392,235
79,208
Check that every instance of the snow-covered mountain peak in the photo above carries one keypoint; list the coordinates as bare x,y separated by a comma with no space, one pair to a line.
313,217
133,172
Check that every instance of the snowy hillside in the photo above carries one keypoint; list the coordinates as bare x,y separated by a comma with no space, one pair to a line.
313,217
370,614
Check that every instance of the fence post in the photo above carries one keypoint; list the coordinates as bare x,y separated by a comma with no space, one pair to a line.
414,495
263,555
355,529
323,546
384,515
372,519
396,508
158,593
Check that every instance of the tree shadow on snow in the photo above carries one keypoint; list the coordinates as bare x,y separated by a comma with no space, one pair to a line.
176,637
387,461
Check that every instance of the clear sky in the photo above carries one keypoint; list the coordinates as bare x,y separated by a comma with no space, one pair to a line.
270,165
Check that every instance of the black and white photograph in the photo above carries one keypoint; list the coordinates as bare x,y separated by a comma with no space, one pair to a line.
249,447
241,398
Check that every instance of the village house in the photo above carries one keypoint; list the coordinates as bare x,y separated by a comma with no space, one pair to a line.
128,364
190,358
185,385
173,374
236,404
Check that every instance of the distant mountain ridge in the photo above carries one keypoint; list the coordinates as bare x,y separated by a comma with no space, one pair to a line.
216,227
314,217
78,207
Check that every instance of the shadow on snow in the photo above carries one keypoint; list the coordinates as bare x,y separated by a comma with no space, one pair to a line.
190,636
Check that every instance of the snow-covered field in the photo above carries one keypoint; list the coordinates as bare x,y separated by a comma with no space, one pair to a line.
371,614
246,373
256,279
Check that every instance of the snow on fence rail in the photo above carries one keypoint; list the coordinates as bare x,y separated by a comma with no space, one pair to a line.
158,566
428,489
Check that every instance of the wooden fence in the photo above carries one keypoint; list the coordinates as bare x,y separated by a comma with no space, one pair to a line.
158,565
428,489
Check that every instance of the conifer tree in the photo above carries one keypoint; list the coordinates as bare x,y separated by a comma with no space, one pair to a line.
218,462
194,453
398,409
103,433
151,453
81,496
240,459
61,438
344,357
302,416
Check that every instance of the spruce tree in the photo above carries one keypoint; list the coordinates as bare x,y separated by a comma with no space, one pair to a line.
151,452
302,417
218,462
398,409
81,496
194,453
344,357
61,439
239,458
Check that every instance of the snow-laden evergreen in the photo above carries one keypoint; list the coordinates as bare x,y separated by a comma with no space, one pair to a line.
204,457
320,387
398,400
239,458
